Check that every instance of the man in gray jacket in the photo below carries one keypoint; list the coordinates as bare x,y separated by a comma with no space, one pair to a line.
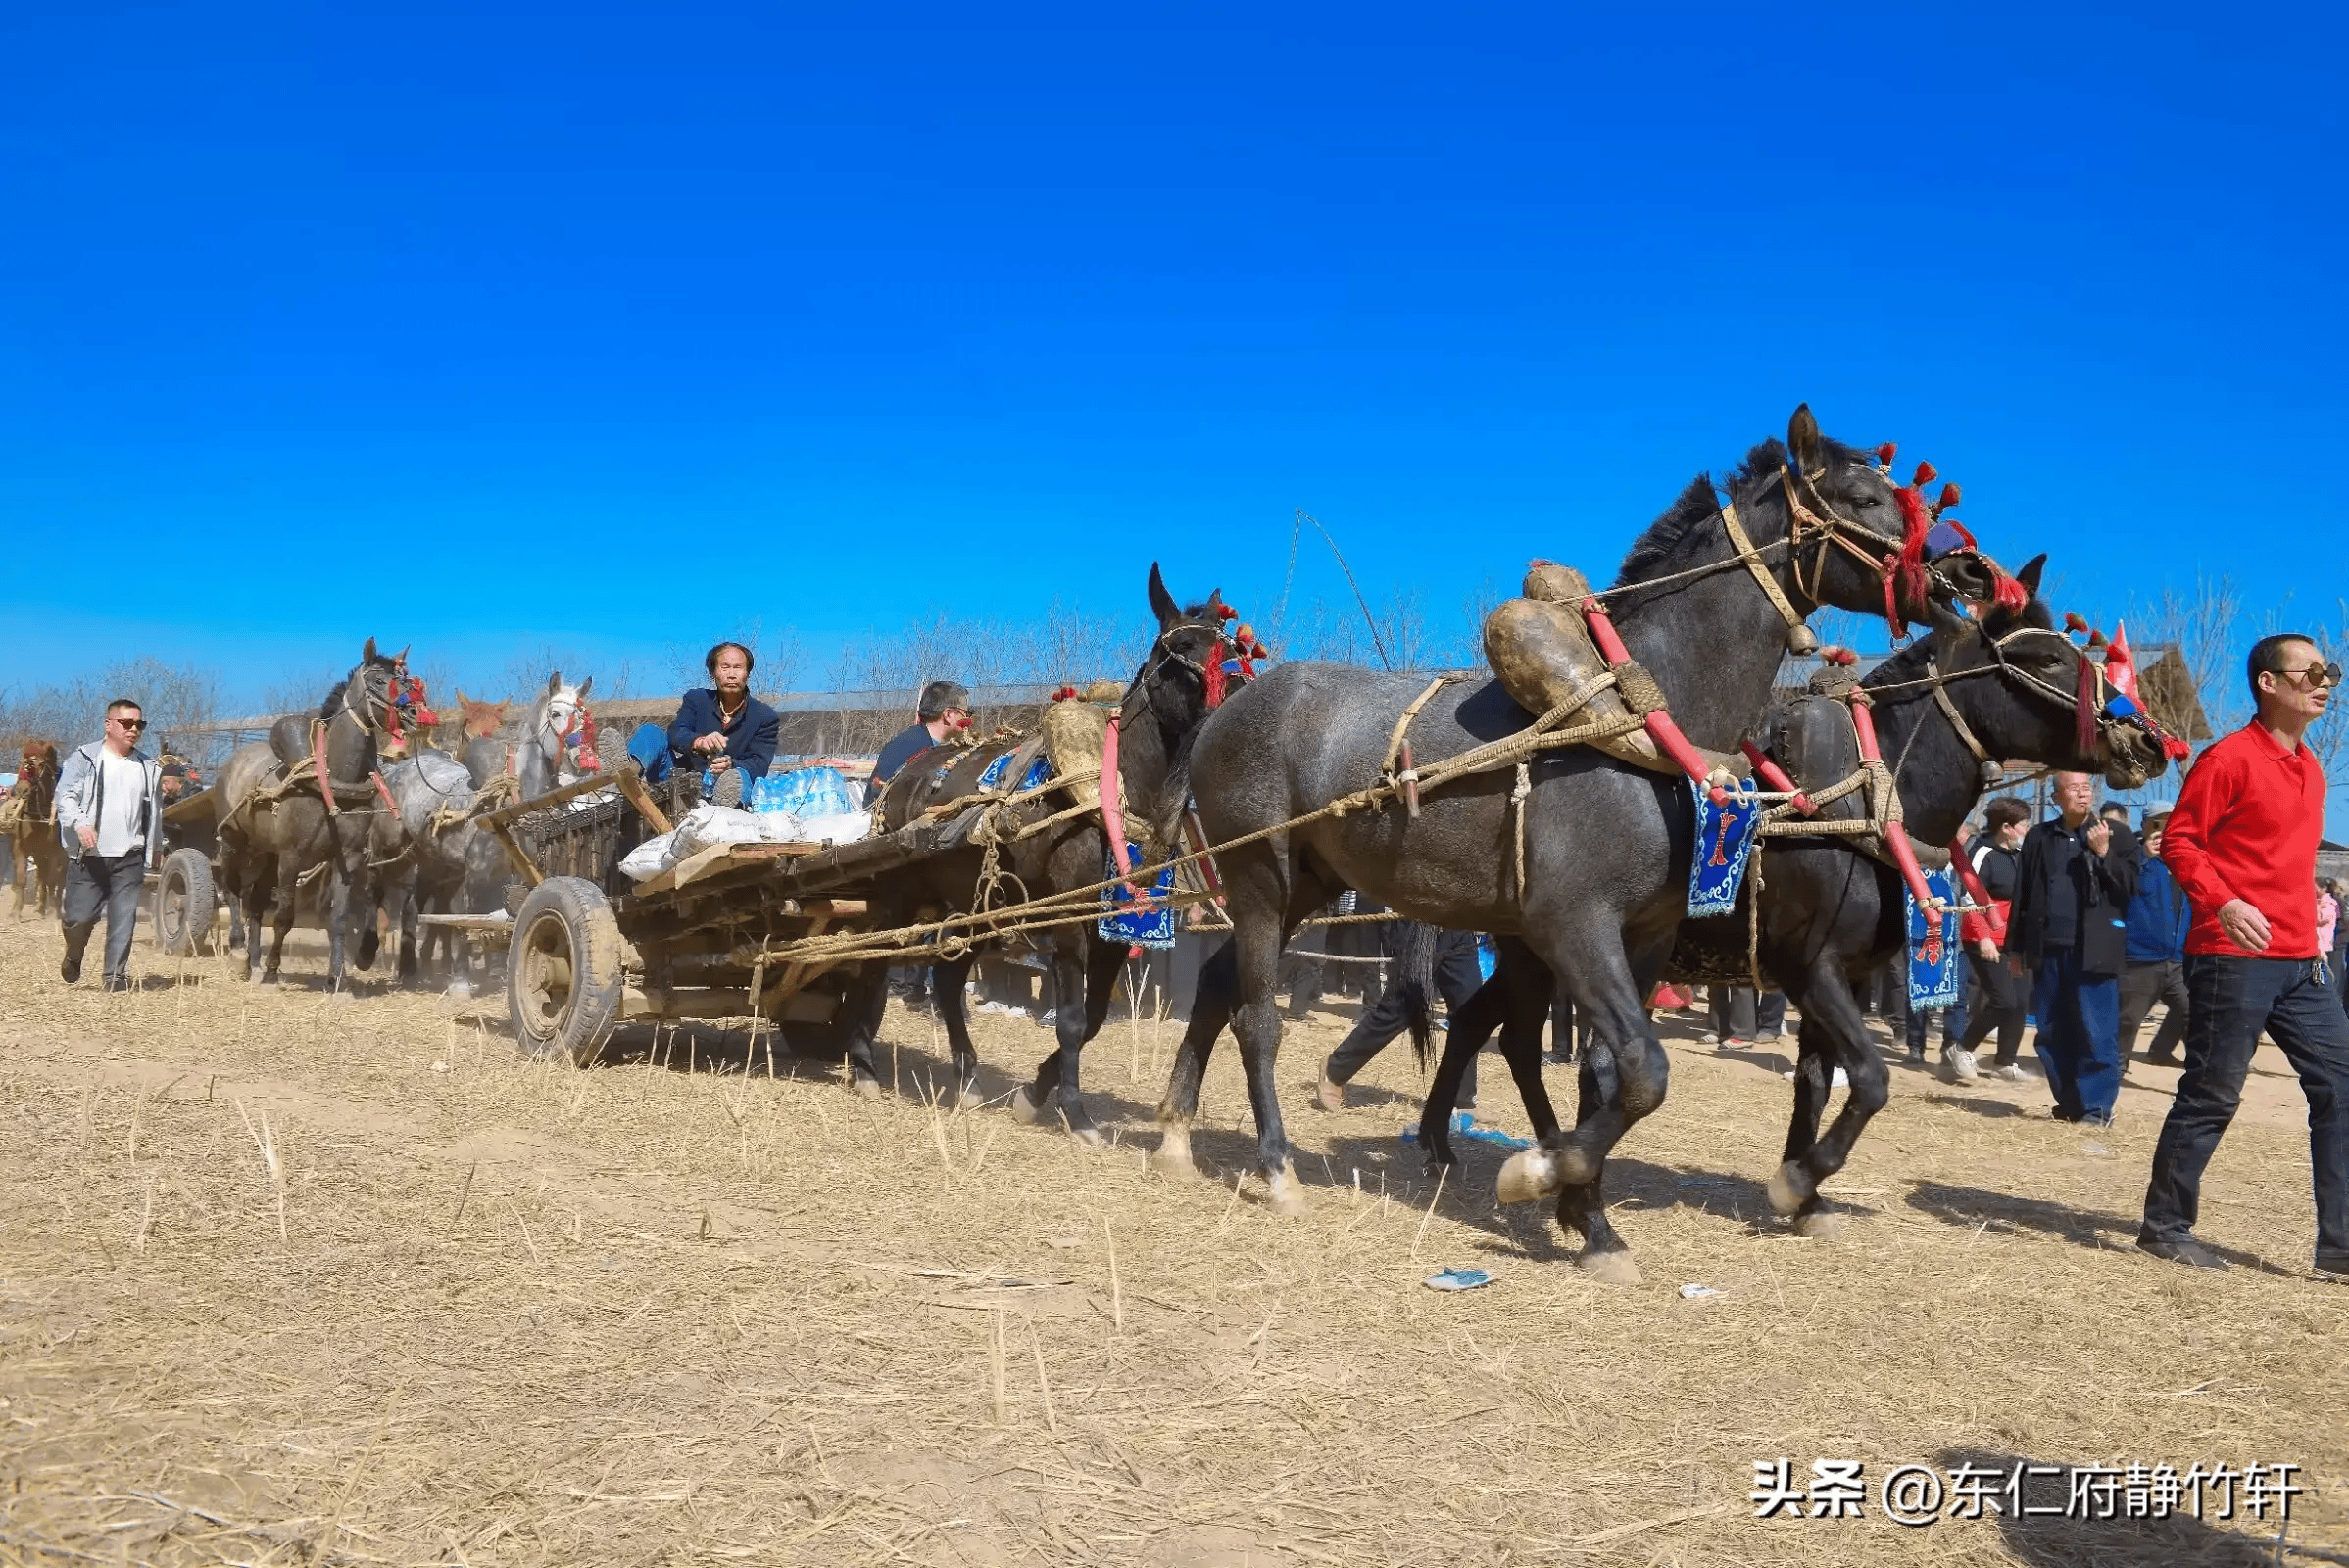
109,817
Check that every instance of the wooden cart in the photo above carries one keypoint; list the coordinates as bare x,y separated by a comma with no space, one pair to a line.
588,950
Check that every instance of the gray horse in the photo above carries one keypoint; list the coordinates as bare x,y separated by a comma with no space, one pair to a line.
1606,845
1831,913
273,843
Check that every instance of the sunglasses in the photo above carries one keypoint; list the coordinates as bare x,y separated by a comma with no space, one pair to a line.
2314,675
131,723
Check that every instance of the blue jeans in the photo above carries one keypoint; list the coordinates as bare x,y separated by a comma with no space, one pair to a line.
2232,998
650,747
2079,1034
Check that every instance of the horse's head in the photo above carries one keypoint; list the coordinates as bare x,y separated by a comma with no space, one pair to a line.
2029,694
564,728
384,697
477,721
1199,657
39,760
1863,542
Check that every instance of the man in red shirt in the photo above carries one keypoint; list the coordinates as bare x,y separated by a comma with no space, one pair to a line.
2243,845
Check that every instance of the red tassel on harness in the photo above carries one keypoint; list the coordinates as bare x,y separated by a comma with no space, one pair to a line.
1213,677
1912,552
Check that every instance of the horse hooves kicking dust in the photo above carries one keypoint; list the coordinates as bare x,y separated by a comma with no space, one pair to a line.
1533,1173
1023,1107
1287,1198
1790,1188
1823,1225
867,1088
1610,1267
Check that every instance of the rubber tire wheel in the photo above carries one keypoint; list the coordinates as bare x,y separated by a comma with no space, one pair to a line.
185,903
563,972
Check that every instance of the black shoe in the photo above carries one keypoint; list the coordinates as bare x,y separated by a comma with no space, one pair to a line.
2059,1113
70,969
727,791
2331,1269
2164,1060
2193,1254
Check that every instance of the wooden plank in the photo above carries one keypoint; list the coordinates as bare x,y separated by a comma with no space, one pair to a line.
493,821
516,856
631,782
469,922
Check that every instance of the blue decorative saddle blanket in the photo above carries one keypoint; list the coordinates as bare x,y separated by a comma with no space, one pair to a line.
1038,771
1932,954
1147,928
1724,838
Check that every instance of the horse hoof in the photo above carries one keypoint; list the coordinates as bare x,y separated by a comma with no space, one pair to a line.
1822,1225
1288,1199
1789,1189
1172,1157
865,1088
459,989
1609,1267
1088,1135
1330,1095
1023,1107
1528,1174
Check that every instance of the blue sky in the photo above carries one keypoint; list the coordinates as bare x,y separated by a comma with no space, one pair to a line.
486,326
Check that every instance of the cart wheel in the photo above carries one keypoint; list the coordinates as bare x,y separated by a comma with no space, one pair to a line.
184,903
563,971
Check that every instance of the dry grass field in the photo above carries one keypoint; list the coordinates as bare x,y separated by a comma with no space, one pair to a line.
290,1279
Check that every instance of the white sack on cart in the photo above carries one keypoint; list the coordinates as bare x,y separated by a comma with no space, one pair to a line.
651,858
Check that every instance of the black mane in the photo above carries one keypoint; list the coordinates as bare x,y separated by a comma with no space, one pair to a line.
1655,549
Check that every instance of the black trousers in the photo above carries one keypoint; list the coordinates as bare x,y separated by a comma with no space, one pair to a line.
1740,1014
2232,1001
2141,986
2001,1001
1456,980
110,885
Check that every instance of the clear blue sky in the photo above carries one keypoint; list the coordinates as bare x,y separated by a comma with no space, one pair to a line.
480,326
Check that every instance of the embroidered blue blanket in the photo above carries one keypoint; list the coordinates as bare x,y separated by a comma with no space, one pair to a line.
1152,927
1038,771
1933,955
1724,842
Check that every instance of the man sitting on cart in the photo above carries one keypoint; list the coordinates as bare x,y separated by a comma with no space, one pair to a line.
723,729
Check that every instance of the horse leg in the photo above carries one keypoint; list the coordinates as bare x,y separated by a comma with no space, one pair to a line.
1085,967
1257,1021
1611,983
1470,1028
953,1002
338,910
1833,1036
1212,1000
864,1005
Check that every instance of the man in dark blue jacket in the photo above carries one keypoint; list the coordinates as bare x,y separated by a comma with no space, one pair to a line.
2068,928
723,729
2158,921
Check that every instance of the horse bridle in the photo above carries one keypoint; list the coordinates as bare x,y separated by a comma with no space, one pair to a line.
1163,651
2107,720
1817,523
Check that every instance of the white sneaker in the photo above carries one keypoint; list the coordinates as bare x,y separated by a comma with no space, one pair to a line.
1768,1037
1957,1066
1710,1038
2012,1073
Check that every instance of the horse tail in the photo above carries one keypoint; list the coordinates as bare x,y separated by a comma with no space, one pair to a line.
1415,973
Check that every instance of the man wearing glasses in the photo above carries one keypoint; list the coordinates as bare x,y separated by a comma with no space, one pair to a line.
110,816
2243,845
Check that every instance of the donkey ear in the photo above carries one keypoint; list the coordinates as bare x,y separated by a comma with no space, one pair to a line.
1803,438
553,682
401,658
462,699
585,684
366,655
1162,603
2028,576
